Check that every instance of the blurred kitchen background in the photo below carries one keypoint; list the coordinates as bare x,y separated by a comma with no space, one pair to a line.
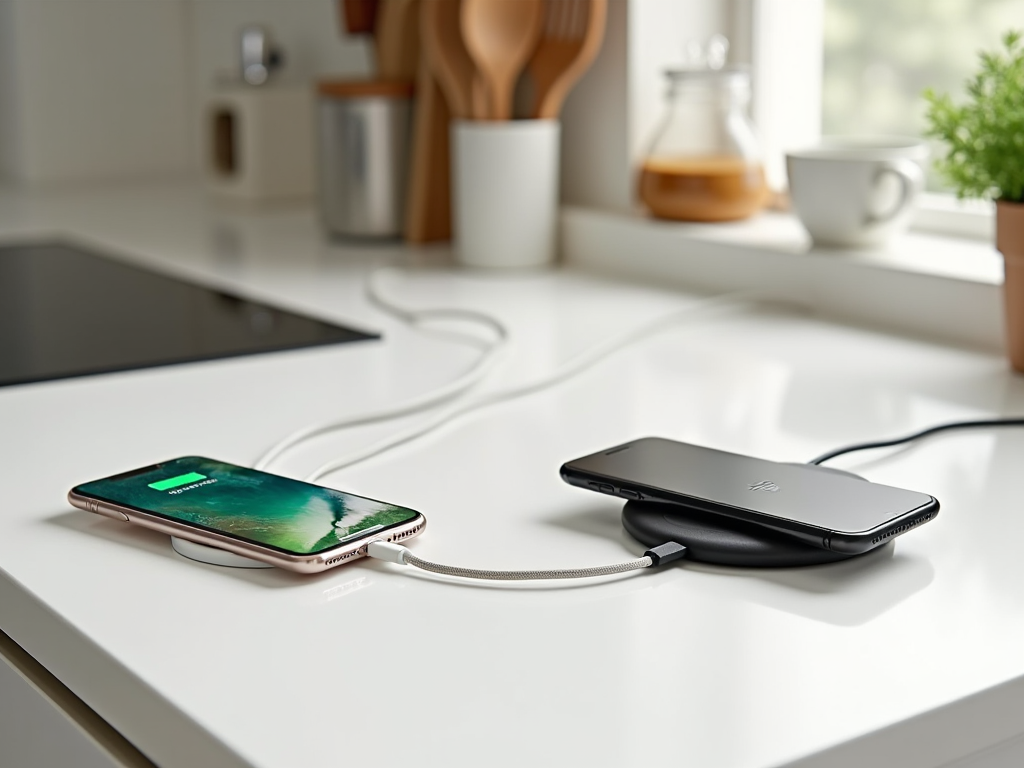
115,90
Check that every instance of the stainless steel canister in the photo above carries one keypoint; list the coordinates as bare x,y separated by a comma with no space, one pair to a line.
364,133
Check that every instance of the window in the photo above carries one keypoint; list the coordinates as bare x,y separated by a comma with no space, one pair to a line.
879,55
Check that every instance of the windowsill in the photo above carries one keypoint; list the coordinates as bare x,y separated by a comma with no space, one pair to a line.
943,214
925,284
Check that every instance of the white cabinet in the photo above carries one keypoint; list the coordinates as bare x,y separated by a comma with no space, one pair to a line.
1009,754
43,725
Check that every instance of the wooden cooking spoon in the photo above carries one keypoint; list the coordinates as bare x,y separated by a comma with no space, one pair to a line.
573,31
500,35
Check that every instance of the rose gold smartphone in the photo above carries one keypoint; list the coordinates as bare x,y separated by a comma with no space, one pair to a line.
277,520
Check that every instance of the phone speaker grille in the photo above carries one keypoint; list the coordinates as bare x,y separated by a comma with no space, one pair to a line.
904,527
339,558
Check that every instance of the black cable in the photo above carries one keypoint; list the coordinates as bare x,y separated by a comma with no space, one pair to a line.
1015,421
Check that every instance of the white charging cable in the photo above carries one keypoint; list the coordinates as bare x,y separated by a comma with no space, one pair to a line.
489,358
575,366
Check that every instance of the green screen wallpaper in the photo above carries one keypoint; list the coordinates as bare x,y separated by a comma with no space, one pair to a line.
288,514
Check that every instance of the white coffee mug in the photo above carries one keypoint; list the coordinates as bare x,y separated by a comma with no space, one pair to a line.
856,193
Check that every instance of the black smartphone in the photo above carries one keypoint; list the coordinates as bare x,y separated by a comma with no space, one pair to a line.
826,509
277,520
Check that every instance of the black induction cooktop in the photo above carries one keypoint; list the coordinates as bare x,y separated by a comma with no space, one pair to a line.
66,311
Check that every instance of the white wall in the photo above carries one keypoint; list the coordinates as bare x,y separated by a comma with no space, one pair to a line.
96,90
101,89
596,127
309,33
9,100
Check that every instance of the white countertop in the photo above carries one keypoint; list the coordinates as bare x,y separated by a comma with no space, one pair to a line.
911,653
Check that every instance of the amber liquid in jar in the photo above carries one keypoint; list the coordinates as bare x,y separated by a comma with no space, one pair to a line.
702,188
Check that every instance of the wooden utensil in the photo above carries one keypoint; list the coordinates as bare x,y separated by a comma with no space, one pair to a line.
500,35
573,31
398,39
428,201
360,16
446,53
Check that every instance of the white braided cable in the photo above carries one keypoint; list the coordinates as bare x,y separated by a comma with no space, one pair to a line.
490,357
560,573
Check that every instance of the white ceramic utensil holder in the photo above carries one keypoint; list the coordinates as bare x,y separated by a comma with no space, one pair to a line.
505,192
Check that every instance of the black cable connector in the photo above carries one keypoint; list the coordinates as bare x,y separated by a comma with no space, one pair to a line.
666,553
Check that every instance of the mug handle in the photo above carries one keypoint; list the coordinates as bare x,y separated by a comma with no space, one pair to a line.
911,179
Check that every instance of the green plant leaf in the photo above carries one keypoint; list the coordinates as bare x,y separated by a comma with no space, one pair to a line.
984,136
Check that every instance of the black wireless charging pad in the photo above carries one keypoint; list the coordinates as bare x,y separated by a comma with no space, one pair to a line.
721,540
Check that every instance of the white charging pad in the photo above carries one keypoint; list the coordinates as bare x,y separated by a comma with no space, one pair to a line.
212,555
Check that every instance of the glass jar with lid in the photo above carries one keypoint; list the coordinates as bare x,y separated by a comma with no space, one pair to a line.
704,163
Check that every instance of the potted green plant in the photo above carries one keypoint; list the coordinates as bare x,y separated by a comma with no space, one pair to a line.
984,158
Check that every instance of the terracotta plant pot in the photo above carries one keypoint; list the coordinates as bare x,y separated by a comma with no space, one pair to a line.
1010,242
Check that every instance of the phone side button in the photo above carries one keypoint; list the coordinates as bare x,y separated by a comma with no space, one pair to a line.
113,514
629,494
